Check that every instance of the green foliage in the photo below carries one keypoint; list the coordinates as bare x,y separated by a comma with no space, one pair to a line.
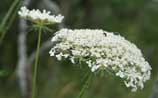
3,73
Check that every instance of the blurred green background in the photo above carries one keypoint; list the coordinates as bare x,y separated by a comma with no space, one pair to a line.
137,20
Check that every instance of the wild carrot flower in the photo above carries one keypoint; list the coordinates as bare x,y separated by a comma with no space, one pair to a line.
38,16
40,20
102,50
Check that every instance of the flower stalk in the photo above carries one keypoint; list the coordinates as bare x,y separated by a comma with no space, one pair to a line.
85,86
36,63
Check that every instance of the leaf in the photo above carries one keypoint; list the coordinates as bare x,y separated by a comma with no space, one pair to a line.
3,73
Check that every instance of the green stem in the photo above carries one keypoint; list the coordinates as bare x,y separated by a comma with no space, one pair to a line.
5,29
13,16
85,86
36,64
7,17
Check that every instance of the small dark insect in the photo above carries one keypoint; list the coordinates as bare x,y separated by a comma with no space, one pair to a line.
70,48
104,34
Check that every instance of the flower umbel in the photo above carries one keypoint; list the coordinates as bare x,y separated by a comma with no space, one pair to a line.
102,50
38,16
40,20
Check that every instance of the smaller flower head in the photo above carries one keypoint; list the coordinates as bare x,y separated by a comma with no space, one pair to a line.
37,16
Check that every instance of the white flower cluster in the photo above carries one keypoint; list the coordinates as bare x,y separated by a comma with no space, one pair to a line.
38,16
103,50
